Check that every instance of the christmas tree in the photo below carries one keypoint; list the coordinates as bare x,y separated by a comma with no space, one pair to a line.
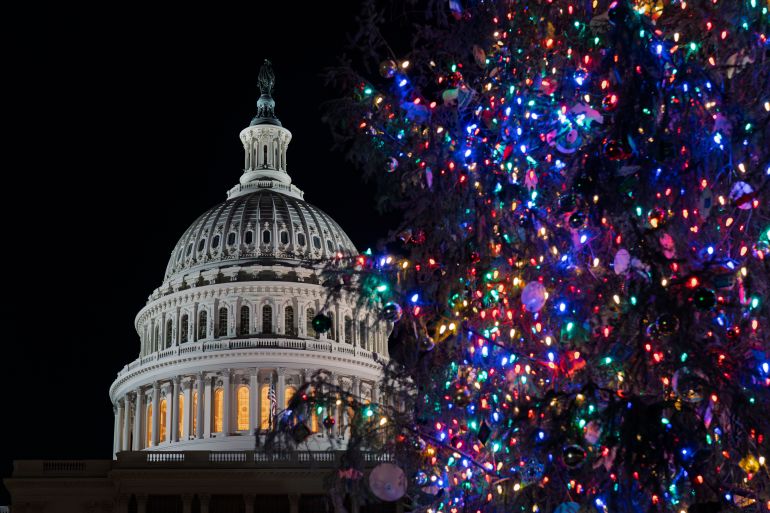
579,283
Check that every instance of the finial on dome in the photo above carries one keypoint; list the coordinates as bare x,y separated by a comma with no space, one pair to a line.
266,104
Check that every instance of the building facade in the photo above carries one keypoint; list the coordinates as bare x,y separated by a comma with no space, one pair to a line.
225,342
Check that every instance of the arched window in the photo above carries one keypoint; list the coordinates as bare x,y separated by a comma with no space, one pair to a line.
244,320
156,339
201,244
248,238
329,246
266,237
275,156
309,314
185,328
162,411
180,416
301,239
169,331
264,155
362,334
288,394
330,333
219,406
267,319
231,238
222,327
264,407
284,237
189,249
148,427
215,242
317,241
195,413
202,321
288,322
348,330
243,408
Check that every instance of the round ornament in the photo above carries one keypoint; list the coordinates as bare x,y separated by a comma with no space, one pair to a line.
749,464
391,164
392,311
622,261
322,323
531,471
421,478
742,195
533,296
689,385
387,482
704,299
573,456
388,68
427,343
329,422
577,220
667,324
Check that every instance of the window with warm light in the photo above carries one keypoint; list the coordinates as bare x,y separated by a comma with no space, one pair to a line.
243,408
148,427
264,409
162,418
180,416
288,394
219,396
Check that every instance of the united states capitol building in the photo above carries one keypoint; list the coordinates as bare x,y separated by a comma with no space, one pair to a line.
227,334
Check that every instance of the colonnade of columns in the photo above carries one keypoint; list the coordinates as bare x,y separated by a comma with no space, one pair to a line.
190,403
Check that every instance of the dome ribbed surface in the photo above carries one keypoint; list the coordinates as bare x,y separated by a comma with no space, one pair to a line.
258,227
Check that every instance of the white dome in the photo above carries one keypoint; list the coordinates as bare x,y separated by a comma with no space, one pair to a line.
231,324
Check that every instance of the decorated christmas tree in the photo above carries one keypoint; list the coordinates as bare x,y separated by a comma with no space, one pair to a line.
579,283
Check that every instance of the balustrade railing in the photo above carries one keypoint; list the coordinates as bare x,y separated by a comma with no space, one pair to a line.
275,459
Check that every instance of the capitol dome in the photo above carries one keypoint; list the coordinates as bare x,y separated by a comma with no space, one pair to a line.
263,225
226,340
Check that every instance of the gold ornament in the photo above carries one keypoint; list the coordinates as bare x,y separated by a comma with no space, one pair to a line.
749,464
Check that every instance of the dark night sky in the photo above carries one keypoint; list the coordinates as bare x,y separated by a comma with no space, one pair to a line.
123,129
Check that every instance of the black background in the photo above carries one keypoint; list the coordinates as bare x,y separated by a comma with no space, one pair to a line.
121,127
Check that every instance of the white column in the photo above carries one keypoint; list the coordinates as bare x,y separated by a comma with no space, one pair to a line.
118,411
126,423
155,413
174,432
138,416
356,387
281,389
187,410
254,400
375,393
226,406
201,393
207,404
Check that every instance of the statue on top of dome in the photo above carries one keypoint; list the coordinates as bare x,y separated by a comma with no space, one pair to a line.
266,78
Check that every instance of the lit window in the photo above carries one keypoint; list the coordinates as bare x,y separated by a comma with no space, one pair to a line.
267,319
309,323
243,408
185,328
244,320
222,328
202,321
264,407
219,405
148,427
288,394
162,418
288,321
180,416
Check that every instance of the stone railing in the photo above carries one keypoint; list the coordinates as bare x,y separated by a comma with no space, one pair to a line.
82,468
230,344
239,459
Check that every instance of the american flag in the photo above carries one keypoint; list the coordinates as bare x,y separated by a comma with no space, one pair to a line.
273,403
